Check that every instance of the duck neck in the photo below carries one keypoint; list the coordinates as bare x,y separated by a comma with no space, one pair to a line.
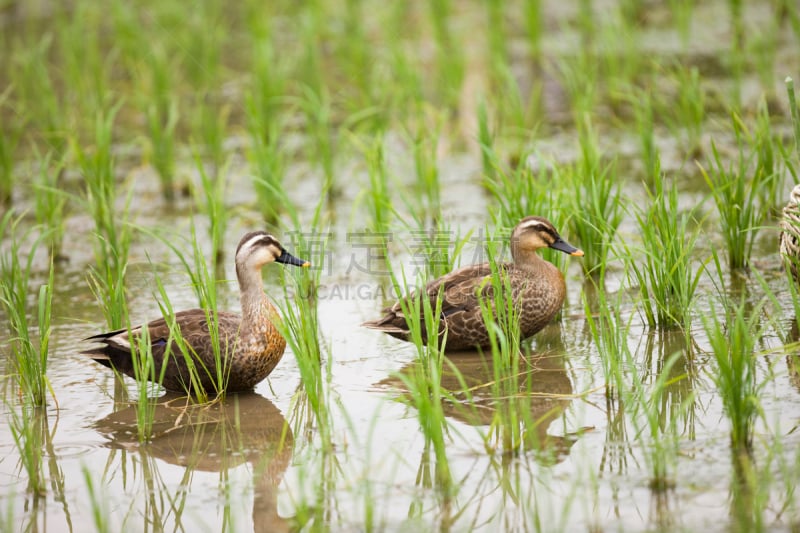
528,259
252,296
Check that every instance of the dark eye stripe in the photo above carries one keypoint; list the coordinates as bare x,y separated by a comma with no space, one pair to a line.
540,227
256,239
269,240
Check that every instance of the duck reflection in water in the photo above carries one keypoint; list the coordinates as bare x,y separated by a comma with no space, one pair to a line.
793,356
243,428
539,394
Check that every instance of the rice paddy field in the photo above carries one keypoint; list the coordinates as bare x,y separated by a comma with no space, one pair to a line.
387,143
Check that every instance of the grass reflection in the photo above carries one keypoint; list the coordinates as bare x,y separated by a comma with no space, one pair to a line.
242,431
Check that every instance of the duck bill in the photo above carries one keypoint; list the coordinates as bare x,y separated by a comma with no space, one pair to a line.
563,246
288,259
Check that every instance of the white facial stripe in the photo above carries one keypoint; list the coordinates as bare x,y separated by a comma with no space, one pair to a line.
537,225
252,242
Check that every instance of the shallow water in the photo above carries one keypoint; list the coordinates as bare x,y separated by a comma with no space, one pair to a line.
257,461
262,470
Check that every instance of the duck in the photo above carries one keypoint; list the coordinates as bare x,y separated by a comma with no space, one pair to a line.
790,234
250,344
538,289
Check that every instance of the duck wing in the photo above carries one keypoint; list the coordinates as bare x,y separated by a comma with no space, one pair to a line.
116,346
459,291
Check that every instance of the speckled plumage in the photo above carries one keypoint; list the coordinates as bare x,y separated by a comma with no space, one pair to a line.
250,345
790,234
537,288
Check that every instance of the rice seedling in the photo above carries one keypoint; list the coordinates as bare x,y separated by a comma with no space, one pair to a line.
678,402
645,125
497,39
486,138
450,59
520,192
424,384
579,75
83,59
9,141
357,55
211,127
667,275
204,282
598,208
596,201
795,114
788,11
405,86
29,346
310,65
50,201
736,54
268,161
161,112
377,198
435,249
732,338
739,189
299,325
211,199
318,110
39,100
610,334
8,520
99,503
26,431
621,65
687,117
112,235
762,47
534,28
201,43
749,490
682,11
318,510
662,443
767,171
265,126
500,313
146,372
642,404
424,146
586,22
132,35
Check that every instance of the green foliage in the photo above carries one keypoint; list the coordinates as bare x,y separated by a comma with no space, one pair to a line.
112,236
26,430
51,202
29,345
424,385
665,269
743,189
597,208
510,426
733,335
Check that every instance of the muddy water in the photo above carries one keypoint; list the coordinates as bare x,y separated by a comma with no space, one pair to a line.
254,462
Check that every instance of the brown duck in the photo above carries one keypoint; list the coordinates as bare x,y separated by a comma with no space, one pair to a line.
250,344
537,287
